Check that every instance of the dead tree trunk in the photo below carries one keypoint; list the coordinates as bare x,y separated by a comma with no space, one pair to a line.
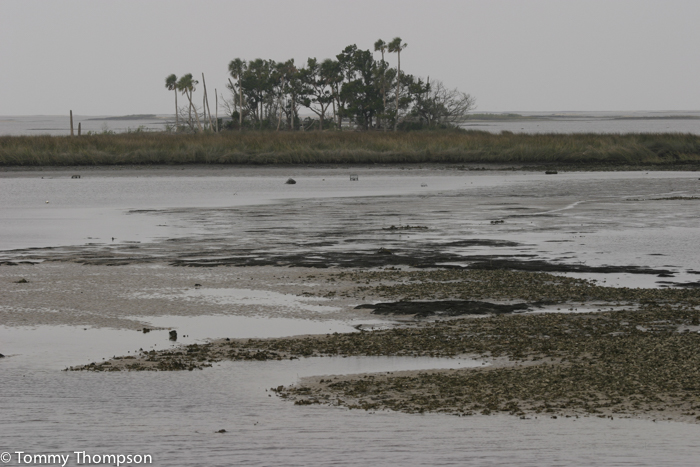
196,114
240,108
398,90
177,117
206,98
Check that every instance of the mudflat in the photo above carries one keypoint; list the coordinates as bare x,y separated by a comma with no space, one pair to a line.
579,293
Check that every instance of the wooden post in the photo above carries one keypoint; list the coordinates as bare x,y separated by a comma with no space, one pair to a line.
71,123
204,100
217,110
78,128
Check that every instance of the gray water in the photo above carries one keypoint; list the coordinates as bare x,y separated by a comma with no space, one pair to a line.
174,417
594,122
562,122
577,217
59,125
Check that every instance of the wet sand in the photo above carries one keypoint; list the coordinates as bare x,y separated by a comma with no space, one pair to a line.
68,293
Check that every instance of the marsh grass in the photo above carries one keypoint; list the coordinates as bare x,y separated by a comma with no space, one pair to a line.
350,148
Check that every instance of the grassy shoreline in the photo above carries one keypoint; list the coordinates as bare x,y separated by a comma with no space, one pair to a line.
274,148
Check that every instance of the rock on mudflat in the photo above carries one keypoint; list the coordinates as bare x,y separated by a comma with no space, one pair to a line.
291,181
173,335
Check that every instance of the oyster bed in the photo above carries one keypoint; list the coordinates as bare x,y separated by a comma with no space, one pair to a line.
641,360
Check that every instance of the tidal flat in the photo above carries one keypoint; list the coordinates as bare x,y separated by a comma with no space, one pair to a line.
380,307
641,360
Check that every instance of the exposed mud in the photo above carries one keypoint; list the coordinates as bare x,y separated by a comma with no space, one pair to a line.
416,258
315,255
681,284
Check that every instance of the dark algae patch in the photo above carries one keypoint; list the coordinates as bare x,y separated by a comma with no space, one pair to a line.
416,258
442,308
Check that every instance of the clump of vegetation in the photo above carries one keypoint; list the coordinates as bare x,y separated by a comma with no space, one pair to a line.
350,91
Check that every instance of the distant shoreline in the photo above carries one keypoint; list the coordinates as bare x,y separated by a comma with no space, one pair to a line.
128,117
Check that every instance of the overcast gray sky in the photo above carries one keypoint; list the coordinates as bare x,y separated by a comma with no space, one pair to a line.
111,57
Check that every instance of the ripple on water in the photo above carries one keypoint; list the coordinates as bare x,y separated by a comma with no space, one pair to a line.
174,417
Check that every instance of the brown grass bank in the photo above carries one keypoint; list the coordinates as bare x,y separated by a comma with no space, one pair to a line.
666,149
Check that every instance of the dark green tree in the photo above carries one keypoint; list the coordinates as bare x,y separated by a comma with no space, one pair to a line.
317,94
359,91
257,85
333,74
290,89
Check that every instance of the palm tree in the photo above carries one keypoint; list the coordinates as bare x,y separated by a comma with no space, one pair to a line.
380,46
236,69
171,85
395,46
186,86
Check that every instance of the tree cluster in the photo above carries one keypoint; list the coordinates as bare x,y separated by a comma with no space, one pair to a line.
186,85
352,90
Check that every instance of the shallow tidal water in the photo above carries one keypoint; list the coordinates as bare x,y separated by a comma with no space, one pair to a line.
175,417
589,218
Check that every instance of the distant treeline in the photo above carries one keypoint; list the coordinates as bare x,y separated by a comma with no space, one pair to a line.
353,91
255,147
